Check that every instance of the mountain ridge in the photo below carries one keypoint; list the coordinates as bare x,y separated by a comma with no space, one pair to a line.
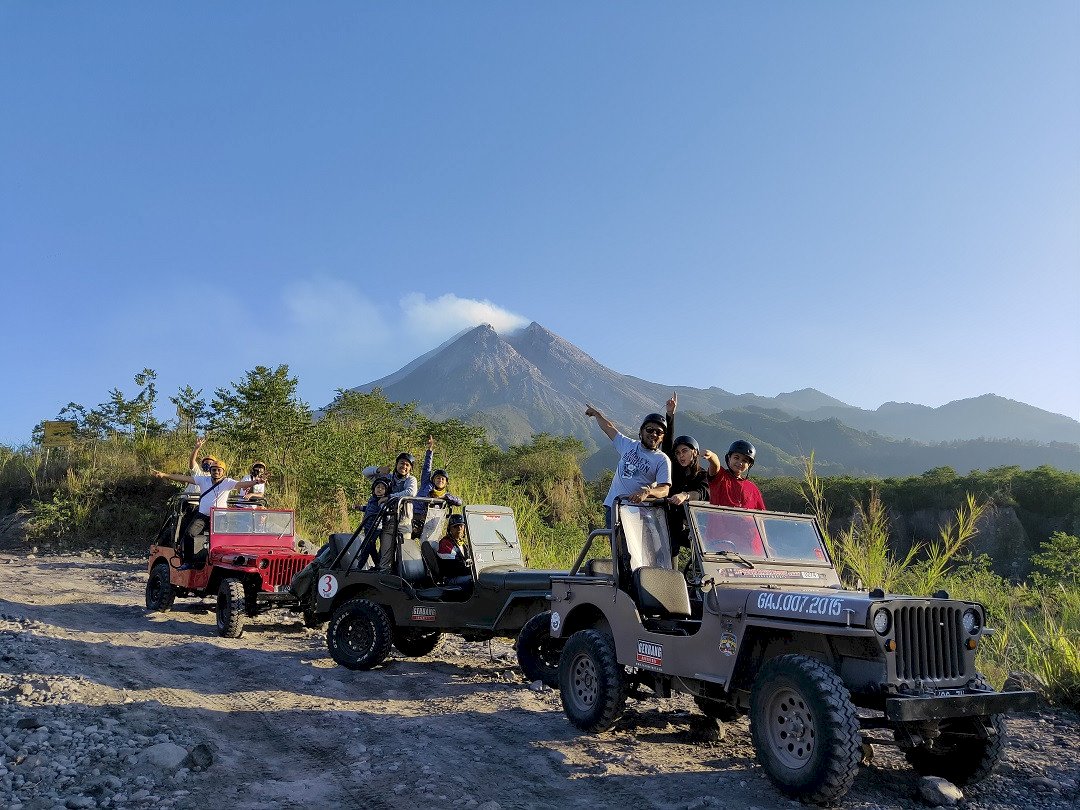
532,380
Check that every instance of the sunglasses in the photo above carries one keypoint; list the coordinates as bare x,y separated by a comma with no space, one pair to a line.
653,431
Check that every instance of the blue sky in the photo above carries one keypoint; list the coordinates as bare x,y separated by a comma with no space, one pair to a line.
881,201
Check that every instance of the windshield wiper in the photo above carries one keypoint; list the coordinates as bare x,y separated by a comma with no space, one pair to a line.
503,538
733,554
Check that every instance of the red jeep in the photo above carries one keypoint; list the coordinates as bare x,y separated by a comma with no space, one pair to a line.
248,560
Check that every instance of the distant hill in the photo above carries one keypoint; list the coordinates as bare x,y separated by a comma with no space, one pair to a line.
534,381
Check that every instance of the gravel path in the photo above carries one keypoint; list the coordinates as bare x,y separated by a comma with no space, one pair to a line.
105,705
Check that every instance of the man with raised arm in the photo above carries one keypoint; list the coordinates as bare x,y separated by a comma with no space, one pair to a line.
643,470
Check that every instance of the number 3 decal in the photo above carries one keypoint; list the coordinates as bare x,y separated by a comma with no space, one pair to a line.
328,586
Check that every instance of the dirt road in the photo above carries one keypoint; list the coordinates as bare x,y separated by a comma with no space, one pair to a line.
105,705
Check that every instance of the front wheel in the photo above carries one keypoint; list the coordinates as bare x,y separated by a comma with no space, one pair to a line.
231,608
964,753
359,634
592,682
415,643
159,590
537,652
805,729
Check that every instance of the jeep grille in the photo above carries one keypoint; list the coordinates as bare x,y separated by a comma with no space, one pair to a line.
282,571
929,643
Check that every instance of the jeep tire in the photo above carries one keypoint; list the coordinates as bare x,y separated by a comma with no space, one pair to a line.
537,652
231,608
805,729
960,754
359,634
413,643
159,590
592,682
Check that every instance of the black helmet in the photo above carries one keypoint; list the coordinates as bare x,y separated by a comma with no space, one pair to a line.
689,441
456,520
386,482
655,418
407,456
441,472
744,447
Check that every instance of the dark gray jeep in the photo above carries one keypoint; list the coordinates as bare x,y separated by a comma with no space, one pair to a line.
412,605
759,623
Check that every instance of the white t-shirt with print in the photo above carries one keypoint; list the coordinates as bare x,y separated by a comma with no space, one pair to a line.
638,467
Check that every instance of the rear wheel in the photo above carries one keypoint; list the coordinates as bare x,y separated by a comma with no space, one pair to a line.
415,643
592,682
359,634
159,590
537,652
231,608
805,729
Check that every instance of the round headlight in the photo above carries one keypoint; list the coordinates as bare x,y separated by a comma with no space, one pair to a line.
972,623
882,621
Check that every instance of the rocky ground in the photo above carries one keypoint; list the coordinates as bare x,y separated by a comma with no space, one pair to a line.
105,705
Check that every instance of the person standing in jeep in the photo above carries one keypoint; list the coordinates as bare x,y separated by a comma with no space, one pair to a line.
215,489
688,481
643,471
402,485
729,486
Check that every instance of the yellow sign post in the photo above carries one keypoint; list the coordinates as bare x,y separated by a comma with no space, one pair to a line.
58,434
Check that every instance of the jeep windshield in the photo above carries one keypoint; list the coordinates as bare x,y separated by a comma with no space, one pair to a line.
253,521
758,535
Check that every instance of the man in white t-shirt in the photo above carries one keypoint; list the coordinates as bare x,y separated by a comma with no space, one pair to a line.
215,489
643,470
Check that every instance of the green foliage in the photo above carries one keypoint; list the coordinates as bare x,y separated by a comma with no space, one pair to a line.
1058,561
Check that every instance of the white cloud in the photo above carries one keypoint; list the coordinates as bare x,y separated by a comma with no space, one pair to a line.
438,318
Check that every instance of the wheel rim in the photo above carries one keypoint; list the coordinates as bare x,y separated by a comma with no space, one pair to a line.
155,590
357,636
548,653
584,683
790,728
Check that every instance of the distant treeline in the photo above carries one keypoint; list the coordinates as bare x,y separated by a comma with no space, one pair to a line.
97,488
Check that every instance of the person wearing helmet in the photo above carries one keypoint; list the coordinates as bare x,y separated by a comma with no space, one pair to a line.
729,486
380,491
688,481
432,485
643,470
214,492
402,485
202,468
453,551
257,493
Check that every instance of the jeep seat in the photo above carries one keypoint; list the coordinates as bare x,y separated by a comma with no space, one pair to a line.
662,593
599,567
447,588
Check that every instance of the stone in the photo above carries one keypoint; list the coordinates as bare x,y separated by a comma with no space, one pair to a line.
169,756
201,756
936,792
29,722
537,686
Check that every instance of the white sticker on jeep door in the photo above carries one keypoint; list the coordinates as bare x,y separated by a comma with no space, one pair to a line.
328,586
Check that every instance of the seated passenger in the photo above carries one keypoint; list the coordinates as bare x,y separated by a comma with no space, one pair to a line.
452,551
730,486
255,496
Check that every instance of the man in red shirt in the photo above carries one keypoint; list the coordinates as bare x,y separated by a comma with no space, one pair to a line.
730,486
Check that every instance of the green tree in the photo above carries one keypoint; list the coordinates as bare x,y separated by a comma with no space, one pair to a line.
1058,560
262,416
192,413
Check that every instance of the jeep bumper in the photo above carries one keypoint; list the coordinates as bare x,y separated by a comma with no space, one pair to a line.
969,704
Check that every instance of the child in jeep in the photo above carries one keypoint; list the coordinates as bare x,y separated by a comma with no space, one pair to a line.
729,486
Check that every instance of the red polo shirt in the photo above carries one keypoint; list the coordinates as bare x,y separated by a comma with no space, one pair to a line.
726,489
